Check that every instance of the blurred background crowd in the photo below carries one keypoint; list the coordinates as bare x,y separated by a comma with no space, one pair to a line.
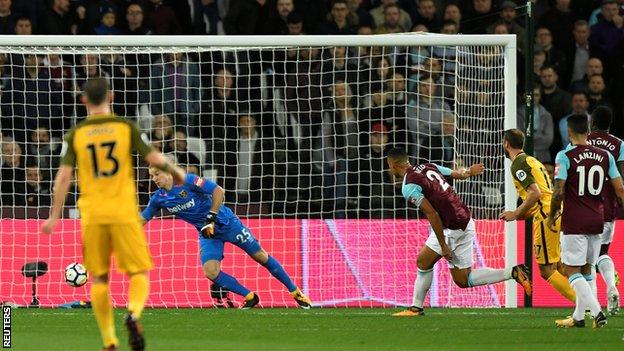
305,130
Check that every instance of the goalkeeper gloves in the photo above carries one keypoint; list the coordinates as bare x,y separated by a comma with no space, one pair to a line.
207,231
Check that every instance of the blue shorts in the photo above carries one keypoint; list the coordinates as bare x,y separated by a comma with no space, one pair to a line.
236,233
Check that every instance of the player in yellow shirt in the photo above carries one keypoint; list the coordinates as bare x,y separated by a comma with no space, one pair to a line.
535,189
101,148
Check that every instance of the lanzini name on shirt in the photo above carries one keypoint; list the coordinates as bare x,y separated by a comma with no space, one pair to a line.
181,207
588,155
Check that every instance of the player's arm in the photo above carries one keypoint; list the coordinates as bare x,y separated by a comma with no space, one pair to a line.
61,188
620,160
436,225
61,182
616,179
148,213
217,194
158,160
154,157
523,173
618,186
533,196
555,202
462,173
562,164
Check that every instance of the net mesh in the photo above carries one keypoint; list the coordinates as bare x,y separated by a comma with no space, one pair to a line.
297,138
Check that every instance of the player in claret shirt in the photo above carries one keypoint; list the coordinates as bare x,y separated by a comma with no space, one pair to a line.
581,172
199,202
452,228
600,137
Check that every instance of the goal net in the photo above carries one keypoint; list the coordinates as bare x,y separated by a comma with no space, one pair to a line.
295,129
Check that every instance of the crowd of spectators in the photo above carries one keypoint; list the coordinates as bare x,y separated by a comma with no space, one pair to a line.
303,130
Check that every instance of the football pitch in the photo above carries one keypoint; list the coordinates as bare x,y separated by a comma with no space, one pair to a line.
320,329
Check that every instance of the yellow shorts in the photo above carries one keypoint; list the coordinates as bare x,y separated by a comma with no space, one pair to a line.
126,241
546,241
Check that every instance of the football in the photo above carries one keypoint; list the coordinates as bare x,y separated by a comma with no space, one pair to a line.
76,275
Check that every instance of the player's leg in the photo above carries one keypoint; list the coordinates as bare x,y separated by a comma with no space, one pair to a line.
575,251
96,251
212,270
593,250
275,268
558,281
211,254
548,255
582,291
134,259
607,269
248,243
461,244
468,278
429,254
591,280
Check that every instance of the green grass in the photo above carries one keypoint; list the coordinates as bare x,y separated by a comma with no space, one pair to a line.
320,329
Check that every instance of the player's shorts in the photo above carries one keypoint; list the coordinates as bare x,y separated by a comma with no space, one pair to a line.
607,233
126,241
546,241
580,249
236,233
460,243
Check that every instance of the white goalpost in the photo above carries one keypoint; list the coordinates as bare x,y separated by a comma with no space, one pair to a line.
295,129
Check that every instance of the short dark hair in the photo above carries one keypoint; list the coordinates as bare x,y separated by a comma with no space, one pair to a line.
391,5
397,154
294,18
579,92
514,137
334,2
580,23
450,23
23,18
547,67
601,118
578,124
96,90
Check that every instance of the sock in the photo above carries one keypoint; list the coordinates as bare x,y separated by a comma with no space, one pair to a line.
100,302
276,269
591,280
561,284
584,297
421,286
137,294
607,271
227,281
483,276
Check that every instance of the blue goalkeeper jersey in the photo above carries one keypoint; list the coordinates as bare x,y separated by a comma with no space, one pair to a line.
190,202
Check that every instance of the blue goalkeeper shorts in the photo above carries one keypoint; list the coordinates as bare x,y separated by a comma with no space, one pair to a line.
235,233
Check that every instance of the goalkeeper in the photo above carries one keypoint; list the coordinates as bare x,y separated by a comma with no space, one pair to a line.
198,201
